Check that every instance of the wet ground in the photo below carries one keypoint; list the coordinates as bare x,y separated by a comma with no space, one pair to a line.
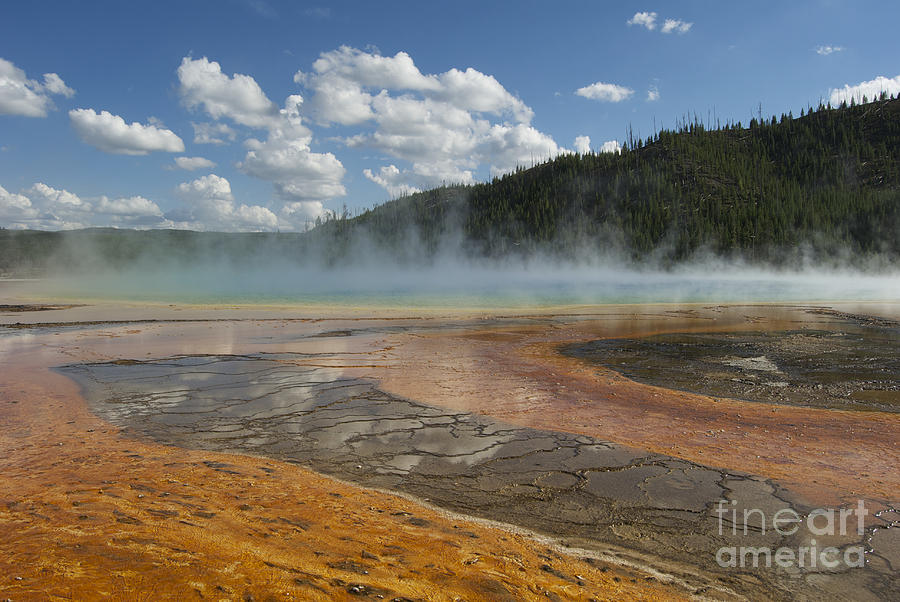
590,492
853,368
478,414
518,374
88,512
33,307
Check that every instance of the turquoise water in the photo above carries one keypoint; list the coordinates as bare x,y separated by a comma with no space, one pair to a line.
462,286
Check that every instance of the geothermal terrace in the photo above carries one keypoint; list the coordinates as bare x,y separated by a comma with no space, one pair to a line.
563,453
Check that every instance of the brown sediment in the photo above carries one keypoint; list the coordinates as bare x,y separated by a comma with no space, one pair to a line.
854,368
87,512
33,307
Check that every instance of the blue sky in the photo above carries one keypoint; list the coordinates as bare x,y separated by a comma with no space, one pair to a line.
260,115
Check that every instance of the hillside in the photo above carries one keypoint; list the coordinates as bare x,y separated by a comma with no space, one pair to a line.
827,181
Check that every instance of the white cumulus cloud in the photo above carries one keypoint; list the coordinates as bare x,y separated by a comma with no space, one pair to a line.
213,133
210,187
134,206
472,90
16,210
346,82
610,146
208,204
438,128
605,92
648,21
299,215
27,97
826,50
676,26
506,147
445,125
43,207
583,144
237,97
192,163
110,133
54,84
295,171
48,196
284,157
871,89
652,94
644,19
391,179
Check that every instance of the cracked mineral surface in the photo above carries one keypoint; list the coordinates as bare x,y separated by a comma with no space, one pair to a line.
87,512
571,486
194,483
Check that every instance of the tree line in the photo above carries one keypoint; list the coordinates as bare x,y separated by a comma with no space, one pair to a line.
828,179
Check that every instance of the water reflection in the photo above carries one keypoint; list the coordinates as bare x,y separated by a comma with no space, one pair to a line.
563,484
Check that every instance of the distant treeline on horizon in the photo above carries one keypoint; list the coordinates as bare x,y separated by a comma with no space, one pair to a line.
827,182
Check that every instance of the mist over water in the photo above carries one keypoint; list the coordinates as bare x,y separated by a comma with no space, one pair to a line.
467,284
358,269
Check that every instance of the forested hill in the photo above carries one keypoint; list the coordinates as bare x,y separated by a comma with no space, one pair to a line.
827,181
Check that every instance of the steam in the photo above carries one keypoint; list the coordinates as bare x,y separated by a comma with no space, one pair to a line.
361,269
460,284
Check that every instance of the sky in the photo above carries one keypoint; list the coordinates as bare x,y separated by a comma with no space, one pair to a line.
246,115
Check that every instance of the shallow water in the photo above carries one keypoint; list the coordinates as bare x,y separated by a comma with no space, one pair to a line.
463,286
855,368
566,485
206,384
